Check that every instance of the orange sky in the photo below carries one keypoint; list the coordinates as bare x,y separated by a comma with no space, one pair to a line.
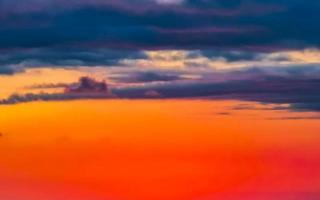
159,100
174,149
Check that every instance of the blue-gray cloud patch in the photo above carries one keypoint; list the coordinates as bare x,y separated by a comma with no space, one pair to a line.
147,77
9,69
66,57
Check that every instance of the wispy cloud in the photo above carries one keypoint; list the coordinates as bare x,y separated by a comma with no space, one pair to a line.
293,86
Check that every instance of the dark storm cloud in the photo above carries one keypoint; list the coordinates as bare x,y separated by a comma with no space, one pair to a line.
264,25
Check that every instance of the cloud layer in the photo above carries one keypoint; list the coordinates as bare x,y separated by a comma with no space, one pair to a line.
298,87
56,33
262,50
260,25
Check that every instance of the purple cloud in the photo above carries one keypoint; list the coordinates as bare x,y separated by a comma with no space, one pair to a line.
282,86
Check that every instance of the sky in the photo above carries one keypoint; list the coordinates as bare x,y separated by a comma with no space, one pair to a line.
158,149
159,99
258,50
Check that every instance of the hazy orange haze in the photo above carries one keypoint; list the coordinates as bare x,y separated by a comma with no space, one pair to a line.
175,149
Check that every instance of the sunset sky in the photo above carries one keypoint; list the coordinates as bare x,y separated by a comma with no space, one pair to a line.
159,100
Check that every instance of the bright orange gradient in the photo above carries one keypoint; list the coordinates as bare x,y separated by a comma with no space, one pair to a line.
156,150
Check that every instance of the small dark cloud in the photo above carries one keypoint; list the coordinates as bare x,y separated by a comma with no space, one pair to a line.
147,77
223,113
88,85
152,94
86,88
254,107
30,97
301,105
232,56
296,118
48,86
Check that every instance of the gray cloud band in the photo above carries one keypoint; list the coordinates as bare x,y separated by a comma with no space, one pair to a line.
296,87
